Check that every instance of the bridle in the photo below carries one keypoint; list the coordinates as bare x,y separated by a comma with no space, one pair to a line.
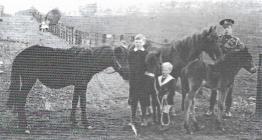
116,65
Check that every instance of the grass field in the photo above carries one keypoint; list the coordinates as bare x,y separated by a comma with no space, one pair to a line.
107,93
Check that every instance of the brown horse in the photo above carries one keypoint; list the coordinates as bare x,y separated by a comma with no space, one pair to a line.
218,76
181,52
58,68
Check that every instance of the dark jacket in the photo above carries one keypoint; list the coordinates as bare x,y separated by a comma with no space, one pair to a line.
137,68
166,87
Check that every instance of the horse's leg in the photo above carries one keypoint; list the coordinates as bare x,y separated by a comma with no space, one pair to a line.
13,90
228,102
81,89
158,113
21,101
196,125
74,105
194,86
154,106
212,102
183,101
154,113
188,103
184,84
221,102
143,109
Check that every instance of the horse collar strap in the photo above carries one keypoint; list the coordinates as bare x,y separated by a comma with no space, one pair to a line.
149,74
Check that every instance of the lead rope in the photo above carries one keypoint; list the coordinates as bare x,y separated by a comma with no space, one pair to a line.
161,104
165,109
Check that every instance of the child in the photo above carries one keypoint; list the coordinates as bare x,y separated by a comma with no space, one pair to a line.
166,89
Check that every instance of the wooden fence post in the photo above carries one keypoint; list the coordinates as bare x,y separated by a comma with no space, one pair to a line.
104,38
66,33
78,37
122,37
259,90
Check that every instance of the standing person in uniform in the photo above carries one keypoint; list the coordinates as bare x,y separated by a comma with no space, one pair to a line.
137,66
229,43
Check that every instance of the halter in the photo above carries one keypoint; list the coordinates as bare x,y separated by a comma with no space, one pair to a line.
116,65
162,105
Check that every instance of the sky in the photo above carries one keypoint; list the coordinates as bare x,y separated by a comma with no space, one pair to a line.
12,6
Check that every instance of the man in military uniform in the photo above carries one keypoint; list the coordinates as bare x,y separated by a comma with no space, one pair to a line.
137,66
229,43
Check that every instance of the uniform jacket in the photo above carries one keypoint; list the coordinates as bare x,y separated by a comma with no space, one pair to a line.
230,43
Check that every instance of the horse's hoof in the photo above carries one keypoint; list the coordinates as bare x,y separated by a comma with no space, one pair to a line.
221,129
197,127
164,128
189,132
156,123
22,131
209,113
144,124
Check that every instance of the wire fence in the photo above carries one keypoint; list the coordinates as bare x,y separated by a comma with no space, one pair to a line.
77,37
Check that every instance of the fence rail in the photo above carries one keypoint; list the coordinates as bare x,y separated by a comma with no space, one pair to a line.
77,37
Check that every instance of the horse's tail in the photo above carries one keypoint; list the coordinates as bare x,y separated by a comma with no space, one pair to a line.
14,87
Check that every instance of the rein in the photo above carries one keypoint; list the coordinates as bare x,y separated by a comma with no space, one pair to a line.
163,108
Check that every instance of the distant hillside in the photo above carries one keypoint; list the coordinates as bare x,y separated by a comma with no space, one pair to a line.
26,29
175,21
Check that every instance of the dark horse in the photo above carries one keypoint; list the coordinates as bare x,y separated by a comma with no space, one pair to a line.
180,53
58,68
218,76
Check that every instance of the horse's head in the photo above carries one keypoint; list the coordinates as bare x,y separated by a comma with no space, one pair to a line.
120,61
245,60
153,62
239,59
210,44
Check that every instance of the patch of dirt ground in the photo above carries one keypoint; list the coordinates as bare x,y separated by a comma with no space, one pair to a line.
48,114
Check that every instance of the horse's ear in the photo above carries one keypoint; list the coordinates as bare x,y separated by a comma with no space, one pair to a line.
212,28
215,27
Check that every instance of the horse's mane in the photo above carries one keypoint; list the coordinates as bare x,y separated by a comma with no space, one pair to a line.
101,51
184,45
189,41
